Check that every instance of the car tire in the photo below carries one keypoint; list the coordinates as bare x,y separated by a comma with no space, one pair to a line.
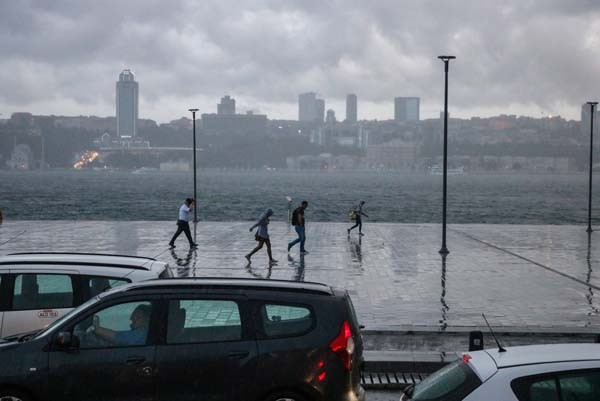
285,396
13,395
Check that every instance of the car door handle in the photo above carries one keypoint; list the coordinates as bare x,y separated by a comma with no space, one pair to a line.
135,360
238,354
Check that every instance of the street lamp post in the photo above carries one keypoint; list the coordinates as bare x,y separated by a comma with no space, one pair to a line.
195,193
592,107
446,60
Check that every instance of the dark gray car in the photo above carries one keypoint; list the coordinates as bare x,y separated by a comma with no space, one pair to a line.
189,339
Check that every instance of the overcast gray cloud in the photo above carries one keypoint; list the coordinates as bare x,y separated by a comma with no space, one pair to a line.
515,56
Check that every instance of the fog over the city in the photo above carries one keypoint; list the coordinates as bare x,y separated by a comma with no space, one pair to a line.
529,57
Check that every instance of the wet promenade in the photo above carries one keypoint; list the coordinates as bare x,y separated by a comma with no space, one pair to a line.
524,278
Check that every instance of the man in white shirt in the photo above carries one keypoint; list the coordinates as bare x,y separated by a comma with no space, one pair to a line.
183,225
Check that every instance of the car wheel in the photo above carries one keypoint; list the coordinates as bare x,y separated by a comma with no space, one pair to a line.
284,397
13,395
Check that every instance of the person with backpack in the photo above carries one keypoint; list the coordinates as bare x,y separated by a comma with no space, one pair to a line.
299,225
262,236
357,214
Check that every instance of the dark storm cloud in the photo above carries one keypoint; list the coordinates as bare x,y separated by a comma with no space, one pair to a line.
538,54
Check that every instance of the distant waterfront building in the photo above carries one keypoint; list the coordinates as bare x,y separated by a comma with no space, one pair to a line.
330,119
407,109
234,124
351,108
310,109
127,105
227,105
320,110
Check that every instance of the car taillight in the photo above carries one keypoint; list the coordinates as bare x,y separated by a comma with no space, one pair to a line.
343,345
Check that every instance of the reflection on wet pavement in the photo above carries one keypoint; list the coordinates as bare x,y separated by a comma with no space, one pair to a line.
519,276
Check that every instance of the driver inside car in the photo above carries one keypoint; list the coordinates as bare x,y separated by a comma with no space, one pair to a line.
140,319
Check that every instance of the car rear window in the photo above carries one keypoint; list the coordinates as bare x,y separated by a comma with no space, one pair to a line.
280,320
451,383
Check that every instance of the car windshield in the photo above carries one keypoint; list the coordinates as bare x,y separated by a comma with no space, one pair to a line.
52,325
451,383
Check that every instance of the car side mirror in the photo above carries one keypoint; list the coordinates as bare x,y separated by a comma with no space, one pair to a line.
65,340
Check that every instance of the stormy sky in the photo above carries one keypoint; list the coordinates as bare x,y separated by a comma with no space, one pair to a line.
525,57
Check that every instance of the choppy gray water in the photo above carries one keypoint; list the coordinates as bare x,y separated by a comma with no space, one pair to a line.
229,196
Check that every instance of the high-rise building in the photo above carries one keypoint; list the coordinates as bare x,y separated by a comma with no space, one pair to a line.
330,119
320,110
351,108
127,105
227,105
407,109
310,109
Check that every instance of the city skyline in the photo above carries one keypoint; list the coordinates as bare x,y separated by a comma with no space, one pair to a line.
265,55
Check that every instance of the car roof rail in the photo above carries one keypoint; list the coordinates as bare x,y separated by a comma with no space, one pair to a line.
237,282
83,254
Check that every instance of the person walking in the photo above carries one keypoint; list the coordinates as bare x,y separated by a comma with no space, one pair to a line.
262,236
298,222
358,213
183,225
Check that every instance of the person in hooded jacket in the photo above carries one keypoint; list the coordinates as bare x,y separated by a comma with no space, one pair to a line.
262,235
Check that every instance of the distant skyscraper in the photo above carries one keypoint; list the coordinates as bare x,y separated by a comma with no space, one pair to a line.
310,109
407,109
320,110
227,105
127,105
351,108
330,119
306,106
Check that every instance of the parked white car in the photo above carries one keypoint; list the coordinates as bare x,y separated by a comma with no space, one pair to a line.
38,288
561,372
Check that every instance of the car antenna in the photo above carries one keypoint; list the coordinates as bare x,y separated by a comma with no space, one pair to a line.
500,348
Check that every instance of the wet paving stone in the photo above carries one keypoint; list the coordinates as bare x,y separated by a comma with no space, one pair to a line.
537,277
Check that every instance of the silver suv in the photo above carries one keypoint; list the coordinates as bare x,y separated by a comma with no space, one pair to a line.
38,288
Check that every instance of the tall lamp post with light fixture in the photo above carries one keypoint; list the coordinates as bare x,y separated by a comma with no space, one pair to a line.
446,60
592,112
195,193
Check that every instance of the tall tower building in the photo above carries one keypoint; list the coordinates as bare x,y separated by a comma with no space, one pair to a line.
227,105
310,109
407,109
306,106
319,110
351,108
127,105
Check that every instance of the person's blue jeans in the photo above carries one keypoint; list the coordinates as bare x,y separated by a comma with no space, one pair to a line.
301,238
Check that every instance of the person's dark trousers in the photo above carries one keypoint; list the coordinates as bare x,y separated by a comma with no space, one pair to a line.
301,238
182,227
358,224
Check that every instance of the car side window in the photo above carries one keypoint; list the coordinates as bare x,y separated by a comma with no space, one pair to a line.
583,386
544,390
280,320
203,320
97,284
121,325
40,291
